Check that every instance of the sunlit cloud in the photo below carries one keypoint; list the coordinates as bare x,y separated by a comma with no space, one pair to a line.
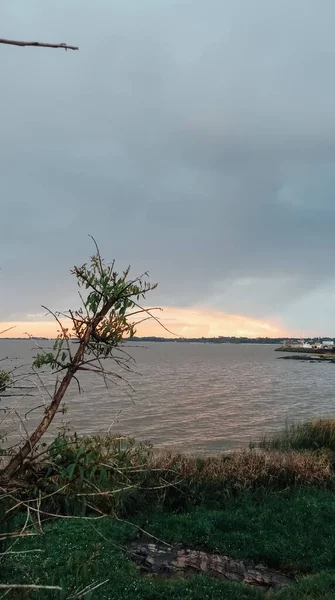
164,148
25,329
202,322
185,322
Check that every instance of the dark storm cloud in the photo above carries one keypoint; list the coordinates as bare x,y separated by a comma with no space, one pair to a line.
194,139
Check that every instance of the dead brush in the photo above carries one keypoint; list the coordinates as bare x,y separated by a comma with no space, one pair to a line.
248,469
114,475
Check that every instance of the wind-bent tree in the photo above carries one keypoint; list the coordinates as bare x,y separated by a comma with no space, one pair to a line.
109,313
5,377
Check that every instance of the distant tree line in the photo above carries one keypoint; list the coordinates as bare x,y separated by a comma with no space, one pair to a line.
227,340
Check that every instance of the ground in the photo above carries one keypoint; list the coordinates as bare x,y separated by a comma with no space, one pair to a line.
293,531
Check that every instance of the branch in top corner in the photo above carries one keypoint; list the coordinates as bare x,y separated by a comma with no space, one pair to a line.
38,44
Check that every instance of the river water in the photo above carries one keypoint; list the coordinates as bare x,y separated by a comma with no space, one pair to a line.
192,397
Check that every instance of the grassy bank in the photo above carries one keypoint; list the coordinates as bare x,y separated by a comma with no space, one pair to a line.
293,530
273,507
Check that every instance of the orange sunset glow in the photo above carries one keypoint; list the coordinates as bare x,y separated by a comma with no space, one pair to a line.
185,322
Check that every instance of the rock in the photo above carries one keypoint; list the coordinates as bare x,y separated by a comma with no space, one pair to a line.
158,559
149,561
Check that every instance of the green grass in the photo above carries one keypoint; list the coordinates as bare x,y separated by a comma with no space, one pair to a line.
294,530
75,554
274,507
317,434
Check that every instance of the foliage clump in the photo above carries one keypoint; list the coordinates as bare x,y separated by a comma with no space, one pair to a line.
317,434
109,312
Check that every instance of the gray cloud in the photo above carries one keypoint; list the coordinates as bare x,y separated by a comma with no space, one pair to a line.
193,139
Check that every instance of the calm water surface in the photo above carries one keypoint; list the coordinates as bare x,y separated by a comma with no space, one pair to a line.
201,397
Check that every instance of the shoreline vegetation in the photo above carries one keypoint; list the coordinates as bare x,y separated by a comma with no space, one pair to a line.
300,350
105,517
311,358
311,355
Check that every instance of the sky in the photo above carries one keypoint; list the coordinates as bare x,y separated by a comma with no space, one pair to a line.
193,139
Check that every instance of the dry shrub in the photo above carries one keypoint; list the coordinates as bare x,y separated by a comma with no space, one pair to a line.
249,468
117,476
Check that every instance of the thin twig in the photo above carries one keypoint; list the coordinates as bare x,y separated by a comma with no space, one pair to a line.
48,514
17,535
8,329
88,589
38,44
155,318
16,586
98,253
62,329
21,552
96,509
142,530
25,502
112,492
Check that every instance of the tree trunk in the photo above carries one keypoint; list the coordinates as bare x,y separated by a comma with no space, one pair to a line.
17,461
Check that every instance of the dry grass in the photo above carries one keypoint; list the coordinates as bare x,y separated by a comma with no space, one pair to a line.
117,476
249,468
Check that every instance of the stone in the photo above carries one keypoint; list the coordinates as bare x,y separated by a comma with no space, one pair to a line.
160,560
149,561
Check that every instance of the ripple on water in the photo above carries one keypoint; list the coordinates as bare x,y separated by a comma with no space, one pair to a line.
201,397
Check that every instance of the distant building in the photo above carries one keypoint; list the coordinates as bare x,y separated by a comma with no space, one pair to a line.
328,344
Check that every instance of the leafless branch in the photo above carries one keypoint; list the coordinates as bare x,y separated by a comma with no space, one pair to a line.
8,329
147,310
88,589
98,253
37,44
15,586
21,552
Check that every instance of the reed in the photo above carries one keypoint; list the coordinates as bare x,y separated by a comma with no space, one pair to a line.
312,435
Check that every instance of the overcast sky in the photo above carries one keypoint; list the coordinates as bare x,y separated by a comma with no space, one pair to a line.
193,138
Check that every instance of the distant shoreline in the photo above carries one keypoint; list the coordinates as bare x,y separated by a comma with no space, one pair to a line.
212,340
220,340
198,340
226,340
26,339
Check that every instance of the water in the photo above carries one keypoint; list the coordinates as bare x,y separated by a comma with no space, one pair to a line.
193,397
